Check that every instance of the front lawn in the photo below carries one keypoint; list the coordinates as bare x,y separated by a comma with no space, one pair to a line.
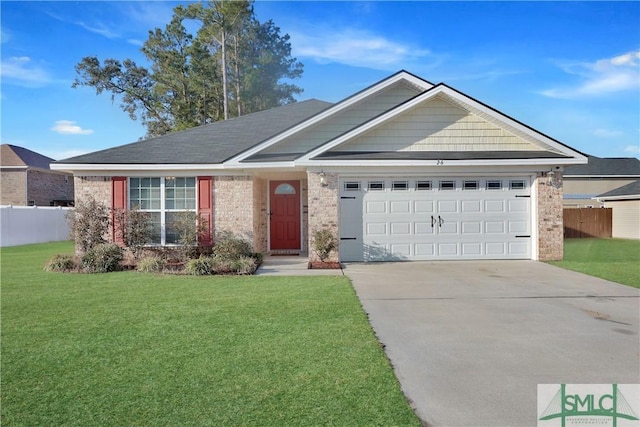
131,348
617,260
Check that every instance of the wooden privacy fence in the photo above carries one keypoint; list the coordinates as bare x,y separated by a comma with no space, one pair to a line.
587,222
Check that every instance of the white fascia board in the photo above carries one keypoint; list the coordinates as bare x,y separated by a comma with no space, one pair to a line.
336,108
462,99
132,167
616,198
566,176
438,163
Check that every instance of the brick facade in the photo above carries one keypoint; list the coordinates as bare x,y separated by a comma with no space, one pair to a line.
260,217
98,187
323,208
550,226
22,187
14,187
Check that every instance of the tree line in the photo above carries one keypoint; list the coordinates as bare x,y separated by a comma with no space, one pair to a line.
233,65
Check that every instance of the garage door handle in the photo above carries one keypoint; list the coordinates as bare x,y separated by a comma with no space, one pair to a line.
433,221
440,221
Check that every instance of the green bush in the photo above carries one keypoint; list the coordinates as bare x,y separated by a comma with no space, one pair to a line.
150,265
232,248
102,258
324,242
62,263
244,265
202,266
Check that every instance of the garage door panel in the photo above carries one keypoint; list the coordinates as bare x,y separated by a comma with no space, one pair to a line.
494,206
376,228
375,207
447,206
495,248
518,205
435,222
471,249
423,206
423,250
423,228
400,228
495,227
471,206
471,227
400,207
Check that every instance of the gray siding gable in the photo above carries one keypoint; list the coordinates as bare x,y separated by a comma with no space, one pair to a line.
209,144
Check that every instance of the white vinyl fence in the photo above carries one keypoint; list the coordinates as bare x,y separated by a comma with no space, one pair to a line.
20,225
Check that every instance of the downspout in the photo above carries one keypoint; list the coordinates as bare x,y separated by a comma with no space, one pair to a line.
26,187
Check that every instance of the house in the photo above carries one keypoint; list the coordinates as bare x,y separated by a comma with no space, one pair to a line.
625,204
27,179
582,183
402,170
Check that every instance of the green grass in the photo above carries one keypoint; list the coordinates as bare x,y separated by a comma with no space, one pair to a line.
141,349
617,260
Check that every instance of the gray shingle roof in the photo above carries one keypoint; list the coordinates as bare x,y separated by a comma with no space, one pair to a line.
613,166
437,155
632,189
208,144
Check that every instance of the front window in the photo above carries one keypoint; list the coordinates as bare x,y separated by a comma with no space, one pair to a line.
163,198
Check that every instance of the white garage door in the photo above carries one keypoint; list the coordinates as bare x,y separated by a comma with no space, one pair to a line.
435,218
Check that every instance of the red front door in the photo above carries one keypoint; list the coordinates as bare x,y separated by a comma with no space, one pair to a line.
285,214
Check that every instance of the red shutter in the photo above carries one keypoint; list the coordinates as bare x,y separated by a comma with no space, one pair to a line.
118,207
205,208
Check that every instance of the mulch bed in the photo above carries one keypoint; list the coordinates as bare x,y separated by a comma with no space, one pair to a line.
319,265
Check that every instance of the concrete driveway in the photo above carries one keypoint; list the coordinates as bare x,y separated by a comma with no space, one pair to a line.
470,341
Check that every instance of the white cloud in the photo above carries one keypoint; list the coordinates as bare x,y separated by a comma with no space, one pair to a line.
21,70
607,133
633,149
604,76
135,42
354,47
99,28
67,127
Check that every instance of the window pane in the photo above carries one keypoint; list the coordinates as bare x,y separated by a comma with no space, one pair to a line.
190,182
169,204
376,185
156,227
471,185
516,184
447,185
423,185
494,185
400,185
352,186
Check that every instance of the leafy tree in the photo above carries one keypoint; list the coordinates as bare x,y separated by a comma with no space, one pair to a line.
232,63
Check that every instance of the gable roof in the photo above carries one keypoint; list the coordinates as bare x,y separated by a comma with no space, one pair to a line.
606,167
547,146
14,156
629,191
208,144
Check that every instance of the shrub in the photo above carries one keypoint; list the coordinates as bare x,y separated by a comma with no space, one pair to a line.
324,242
232,248
202,266
188,226
150,265
88,224
135,228
222,265
103,258
244,265
62,263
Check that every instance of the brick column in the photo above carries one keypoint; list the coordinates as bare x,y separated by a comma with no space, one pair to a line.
550,227
323,208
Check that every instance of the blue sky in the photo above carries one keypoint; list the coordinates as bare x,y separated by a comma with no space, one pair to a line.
569,69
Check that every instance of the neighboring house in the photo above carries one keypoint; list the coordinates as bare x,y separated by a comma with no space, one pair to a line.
27,179
625,204
402,170
582,183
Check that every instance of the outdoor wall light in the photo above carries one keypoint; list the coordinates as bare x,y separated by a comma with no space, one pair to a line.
552,179
323,179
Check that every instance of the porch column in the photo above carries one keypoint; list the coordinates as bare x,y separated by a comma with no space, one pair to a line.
323,208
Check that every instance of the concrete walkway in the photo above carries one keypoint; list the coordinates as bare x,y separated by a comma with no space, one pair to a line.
470,341
291,266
